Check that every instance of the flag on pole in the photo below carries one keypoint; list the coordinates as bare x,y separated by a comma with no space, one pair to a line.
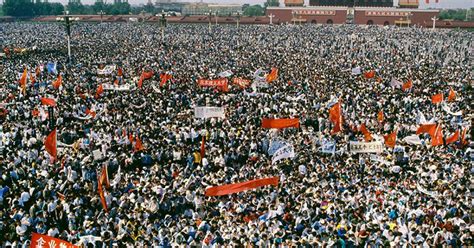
335,116
138,145
367,135
453,138
101,192
239,187
369,74
426,128
437,138
407,85
50,144
203,146
105,176
23,78
452,95
58,82
48,101
391,139
164,78
273,75
438,98
380,116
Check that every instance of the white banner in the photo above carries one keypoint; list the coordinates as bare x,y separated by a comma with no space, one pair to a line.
395,83
282,153
276,144
412,140
446,108
356,71
366,147
328,147
209,112
227,73
123,87
107,70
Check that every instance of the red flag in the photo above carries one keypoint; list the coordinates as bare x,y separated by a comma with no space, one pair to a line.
453,138
437,98
426,128
138,145
203,146
32,79
280,123
120,72
23,78
145,75
391,139
239,187
39,240
407,85
463,137
273,75
90,112
380,116
437,138
48,101
105,176
50,144
369,74
35,112
164,78
101,192
58,82
335,116
367,135
140,81
452,95
99,91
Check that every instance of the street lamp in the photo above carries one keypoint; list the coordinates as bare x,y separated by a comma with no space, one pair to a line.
67,20
238,19
217,13
163,24
101,13
293,13
210,17
409,18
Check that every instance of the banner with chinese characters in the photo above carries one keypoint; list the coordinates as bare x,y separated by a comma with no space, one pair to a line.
38,240
366,147
209,112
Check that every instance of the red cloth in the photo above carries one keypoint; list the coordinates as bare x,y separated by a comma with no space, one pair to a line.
437,98
39,240
242,83
239,187
48,101
369,74
426,128
380,116
273,75
221,83
453,138
280,123
101,192
335,116
58,82
407,85
50,144
23,78
164,78
452,95
391,139
99,91
145,75
138,145
367,135
437,138
203,147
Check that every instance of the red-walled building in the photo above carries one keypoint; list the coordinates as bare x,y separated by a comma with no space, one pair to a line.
357,15
394,16
313,14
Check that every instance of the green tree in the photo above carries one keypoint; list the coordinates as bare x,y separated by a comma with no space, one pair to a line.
56,9
76,8
18,8
254,10
272,3
149,8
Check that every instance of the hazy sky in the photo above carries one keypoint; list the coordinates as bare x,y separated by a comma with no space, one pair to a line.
441,4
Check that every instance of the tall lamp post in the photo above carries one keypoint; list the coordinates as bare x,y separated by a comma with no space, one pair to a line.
409,19
238,19
210,17
101,13
217,13
163,24
67,20
293,13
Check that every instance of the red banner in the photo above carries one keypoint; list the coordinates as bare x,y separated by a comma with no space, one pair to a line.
280,123
38,240
221,83
239,187
242,83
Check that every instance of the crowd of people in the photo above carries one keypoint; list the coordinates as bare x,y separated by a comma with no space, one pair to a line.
413,195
